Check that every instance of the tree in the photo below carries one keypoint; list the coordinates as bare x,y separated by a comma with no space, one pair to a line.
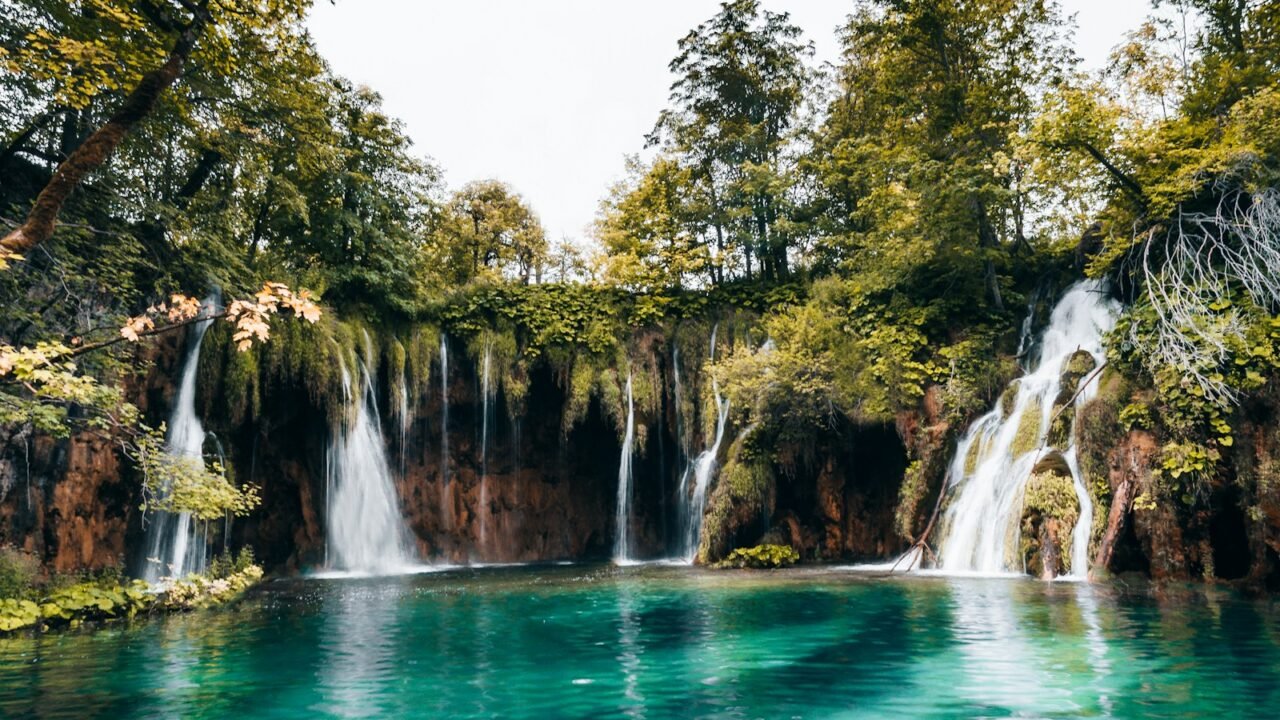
651,230
567,262
50,48
486,229
916,162
741,81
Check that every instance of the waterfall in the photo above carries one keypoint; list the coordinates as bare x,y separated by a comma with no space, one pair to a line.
486,392
366,530
406,419
679,403
701,471
622,543
176,544
994,459
446,514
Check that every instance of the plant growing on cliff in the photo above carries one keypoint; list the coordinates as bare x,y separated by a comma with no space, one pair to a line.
43,389
762,557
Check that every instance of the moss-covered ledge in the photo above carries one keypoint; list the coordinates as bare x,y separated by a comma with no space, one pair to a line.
108,599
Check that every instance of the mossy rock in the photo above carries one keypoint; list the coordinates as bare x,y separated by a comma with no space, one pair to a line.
1050,511
761,557
1075,367
1027,436
744,492
1007,400
1060,427
976,448
1052,463
1052,494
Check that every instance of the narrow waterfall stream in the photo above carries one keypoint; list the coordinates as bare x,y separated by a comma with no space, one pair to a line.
175,541
701,471
366,529
486,408
994,460
405,416
622,543
446,506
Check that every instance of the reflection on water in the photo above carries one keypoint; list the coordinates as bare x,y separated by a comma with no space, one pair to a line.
629,651
358,646
660,642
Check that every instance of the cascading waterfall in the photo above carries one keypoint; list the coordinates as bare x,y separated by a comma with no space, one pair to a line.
366,530
446,514
1026,336
622,543
701,471
175,542
486,393
994,459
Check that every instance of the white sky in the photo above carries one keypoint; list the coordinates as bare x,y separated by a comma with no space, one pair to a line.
550,95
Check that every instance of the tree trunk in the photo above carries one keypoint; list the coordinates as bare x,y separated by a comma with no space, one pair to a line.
1121,500
199,175
70,138
987,240
99,146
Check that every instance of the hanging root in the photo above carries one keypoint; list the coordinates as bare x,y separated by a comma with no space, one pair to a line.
1194,265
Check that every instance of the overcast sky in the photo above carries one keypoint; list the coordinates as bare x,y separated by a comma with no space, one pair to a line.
550,95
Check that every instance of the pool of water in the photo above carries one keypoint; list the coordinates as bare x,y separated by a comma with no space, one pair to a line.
660,642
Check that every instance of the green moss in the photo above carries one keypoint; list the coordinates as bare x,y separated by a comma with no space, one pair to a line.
761,556
1027,437
976,449
422,348
582,377
910,494
744,490
1075,367
1098,430
1008,398
1060,427
1052,494
241,385
1050,510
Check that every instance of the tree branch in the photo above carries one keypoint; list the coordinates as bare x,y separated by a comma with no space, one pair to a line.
99,147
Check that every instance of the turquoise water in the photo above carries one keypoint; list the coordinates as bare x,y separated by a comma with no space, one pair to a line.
588,642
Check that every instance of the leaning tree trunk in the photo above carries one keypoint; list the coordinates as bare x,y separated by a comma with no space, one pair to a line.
99,146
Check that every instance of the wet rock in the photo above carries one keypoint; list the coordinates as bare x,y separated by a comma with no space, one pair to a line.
1007,400
1049,514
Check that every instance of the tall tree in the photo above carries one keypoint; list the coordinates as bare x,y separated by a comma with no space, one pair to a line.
917,157
487,229
651,228
59,39
741,81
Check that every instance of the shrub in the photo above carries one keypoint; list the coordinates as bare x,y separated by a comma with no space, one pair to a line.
19,572
762,556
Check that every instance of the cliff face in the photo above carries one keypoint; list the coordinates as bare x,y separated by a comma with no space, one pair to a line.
73,502
851,493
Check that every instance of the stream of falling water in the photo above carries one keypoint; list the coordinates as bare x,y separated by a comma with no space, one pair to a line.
446,507
701,471
406,419
992,464
486,393
366,531
175,542
622,543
